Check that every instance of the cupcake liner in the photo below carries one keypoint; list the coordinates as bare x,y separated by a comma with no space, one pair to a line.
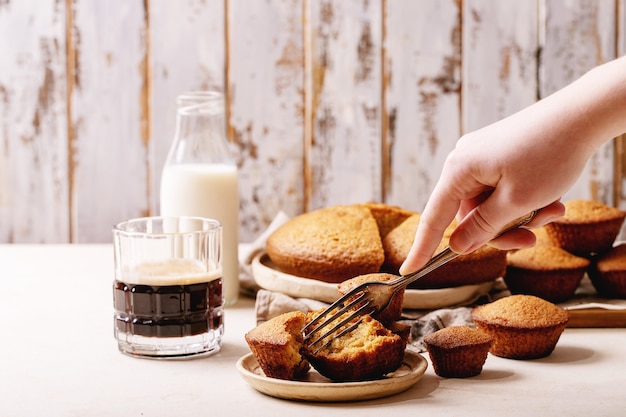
585,239
555,286
518,343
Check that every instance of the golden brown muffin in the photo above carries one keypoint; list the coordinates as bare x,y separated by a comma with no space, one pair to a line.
367,352
548,272
393,311
608,273
388,217
522,326
458,351
543,237
330,244
588,227
276,345
484,265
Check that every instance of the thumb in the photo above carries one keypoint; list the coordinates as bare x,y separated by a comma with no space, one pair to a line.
484,223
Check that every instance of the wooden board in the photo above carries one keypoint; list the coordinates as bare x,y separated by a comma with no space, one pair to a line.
597,317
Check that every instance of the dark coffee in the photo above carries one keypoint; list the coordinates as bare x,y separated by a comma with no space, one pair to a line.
168,310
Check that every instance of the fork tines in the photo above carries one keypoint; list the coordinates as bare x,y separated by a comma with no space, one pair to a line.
338,318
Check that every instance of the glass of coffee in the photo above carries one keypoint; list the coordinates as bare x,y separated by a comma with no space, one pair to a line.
167,292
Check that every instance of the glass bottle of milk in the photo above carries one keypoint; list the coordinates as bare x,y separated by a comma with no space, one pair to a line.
200,175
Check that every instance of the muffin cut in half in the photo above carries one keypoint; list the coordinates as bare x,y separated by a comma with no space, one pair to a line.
367,352
276,345
522,326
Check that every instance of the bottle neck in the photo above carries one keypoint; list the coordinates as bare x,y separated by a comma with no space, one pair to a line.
200,135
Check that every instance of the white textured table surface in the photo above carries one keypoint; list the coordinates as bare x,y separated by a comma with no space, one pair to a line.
58,358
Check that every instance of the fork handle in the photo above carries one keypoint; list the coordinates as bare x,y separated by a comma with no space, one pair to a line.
447,254
435,262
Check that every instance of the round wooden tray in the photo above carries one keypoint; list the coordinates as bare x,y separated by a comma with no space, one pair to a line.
269,277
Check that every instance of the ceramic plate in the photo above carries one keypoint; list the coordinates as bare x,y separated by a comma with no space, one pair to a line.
320,389
267,276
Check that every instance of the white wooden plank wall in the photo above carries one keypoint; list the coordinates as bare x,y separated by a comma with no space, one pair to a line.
34,175
422,95
266,93
109,131
576,36
329,101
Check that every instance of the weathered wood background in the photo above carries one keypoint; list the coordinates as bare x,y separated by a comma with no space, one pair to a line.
329,101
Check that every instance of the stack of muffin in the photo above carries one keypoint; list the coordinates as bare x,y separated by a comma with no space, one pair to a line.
528,324
582,241
341,242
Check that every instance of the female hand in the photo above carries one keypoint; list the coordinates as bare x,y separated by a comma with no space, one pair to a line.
524,162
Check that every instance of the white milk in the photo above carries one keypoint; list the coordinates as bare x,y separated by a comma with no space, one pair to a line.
207,190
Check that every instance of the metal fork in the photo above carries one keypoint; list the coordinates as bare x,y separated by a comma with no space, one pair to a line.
373,297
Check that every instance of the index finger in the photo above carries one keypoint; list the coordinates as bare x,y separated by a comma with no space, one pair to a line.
436,217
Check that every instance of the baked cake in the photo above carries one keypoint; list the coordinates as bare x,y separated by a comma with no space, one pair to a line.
329,244
393,311
458,351
388,217
588,227
398,242
548,272
522,326
276,345
483,265
608,273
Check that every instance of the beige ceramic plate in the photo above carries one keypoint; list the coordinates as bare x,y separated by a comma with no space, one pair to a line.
320,389
267,276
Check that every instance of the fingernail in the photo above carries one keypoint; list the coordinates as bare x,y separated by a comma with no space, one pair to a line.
461,241
553,219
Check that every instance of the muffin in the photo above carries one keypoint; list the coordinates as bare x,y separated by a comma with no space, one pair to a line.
393,311
543,237
330,244
522,326
483,265
588,227
276,345
367,352
458,351
608,273
548,272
